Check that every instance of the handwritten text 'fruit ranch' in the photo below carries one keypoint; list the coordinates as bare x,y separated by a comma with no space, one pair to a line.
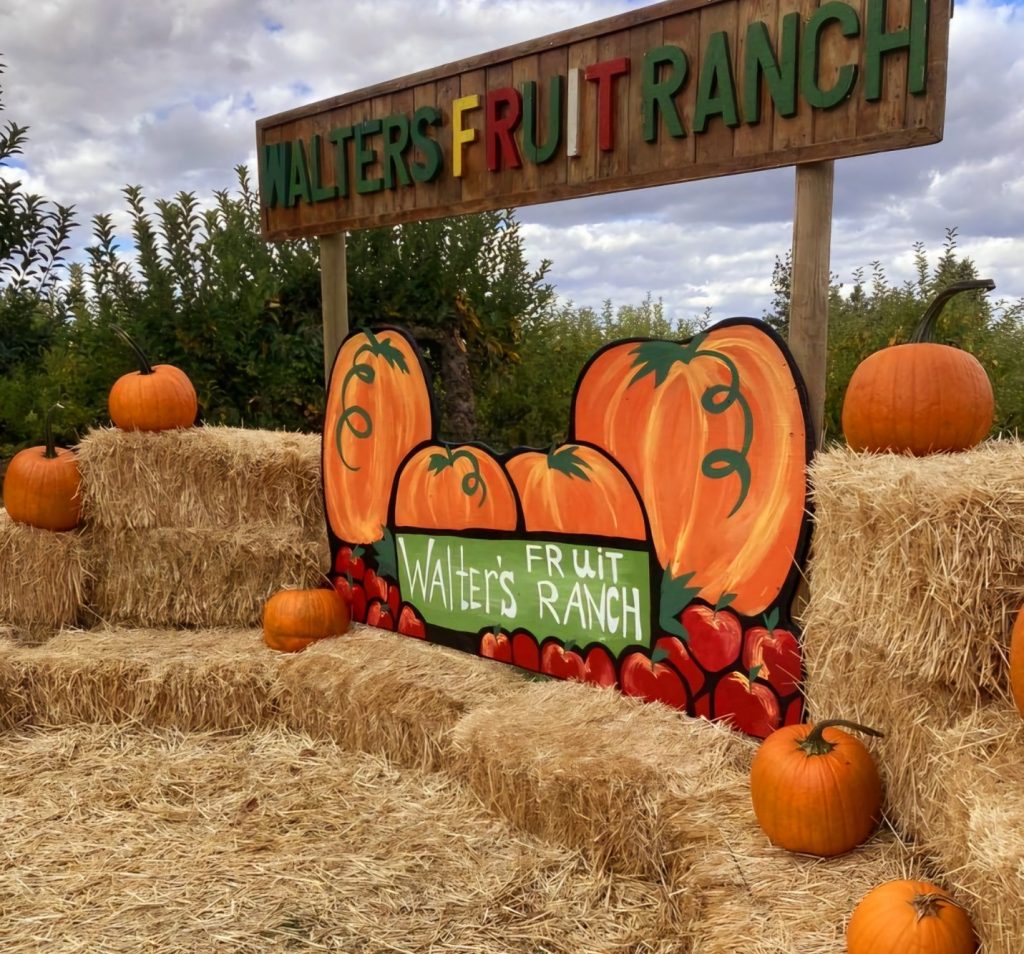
409,147
557,589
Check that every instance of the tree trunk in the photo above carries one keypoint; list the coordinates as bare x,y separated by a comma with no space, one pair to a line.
459,412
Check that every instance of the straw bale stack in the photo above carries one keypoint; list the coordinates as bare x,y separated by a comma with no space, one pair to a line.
210,477
272,841
379,692
44,577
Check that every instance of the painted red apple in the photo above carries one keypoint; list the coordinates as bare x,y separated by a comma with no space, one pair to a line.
410,623
496,646
777,653
394,599
379,614
599,669
350,562
680,657
653,681
794,713
746,705
354,595
561,663
525,651
715,636
376,587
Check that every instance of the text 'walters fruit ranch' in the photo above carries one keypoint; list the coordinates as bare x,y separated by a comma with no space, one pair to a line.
671,92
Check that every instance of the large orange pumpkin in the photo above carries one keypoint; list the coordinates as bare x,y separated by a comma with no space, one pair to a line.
816,793
909,917
378,409
920,397
157,397
455,488
714,435
1017,662
292,619
576,489
42,485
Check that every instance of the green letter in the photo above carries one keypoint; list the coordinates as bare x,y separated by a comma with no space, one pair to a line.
716,92
428,170
366,156
298,185
275,173
810,55
534,152
780,75
340,138
321,193
659,94
394,164
878,43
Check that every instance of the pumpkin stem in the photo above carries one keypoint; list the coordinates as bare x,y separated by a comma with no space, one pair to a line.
51,447
925,330
929,905
817,744
144,366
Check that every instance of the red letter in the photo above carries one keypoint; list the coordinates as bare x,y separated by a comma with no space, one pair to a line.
604,75
500,127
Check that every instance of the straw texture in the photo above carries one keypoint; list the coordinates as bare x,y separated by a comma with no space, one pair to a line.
44,576
210,477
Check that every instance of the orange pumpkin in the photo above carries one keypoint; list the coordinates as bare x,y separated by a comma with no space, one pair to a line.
455,488
816,793
576,489
157,397
292,619
920,397
1017,662
900,917
378,410
713,433
42,485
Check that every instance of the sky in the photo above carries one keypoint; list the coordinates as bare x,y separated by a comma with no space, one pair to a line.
165,94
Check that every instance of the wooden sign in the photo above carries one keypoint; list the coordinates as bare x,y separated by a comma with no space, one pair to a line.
675,91
660,558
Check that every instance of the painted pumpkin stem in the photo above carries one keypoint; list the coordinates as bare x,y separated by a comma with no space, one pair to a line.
925,330
51,447
144,366
817,744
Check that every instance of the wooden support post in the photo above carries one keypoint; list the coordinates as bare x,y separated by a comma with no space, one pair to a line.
808,307
334,292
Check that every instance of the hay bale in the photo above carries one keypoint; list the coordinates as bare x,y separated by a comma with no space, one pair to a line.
920,561
44,577
193,680
379,692
598,772
209,477
122,840
198,576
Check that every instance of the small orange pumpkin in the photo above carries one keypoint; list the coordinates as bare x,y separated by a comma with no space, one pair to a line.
292,619
1017,662
42,485
815,794
157,397
898,917
576,489
920,397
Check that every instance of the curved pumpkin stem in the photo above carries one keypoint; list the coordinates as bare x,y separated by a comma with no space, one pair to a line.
51,447
925,330
817,744
929,905
144,366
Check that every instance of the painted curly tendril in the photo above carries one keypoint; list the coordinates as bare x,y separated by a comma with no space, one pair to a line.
472,483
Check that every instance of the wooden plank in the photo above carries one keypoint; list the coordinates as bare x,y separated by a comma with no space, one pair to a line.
334,293
716,141
808,311
752,138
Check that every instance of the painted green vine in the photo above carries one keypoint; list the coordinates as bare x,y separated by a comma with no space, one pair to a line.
658,357
473,482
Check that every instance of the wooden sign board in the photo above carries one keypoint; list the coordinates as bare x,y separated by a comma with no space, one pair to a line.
675,91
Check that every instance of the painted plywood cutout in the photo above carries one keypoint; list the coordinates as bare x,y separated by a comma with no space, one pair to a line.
657,549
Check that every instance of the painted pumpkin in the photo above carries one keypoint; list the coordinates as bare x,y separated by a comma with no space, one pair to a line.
292,619
713,432
920,397
378,410
1017,662
816,789
899,917
157,397
576,489
42,485
455,488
